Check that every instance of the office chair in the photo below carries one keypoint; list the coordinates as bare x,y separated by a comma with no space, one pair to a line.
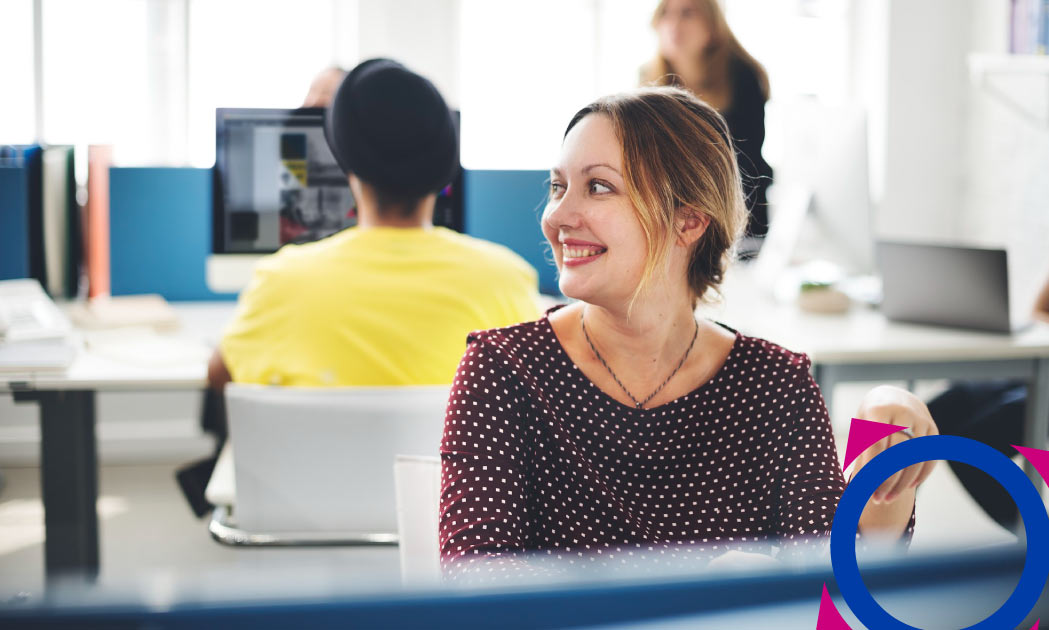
315,466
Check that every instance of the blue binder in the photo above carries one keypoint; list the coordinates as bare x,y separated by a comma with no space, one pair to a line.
19,170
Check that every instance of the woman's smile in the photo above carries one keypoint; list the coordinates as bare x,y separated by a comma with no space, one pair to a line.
575,253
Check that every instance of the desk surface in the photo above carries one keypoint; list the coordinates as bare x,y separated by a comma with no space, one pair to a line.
863,335
179,360
138,359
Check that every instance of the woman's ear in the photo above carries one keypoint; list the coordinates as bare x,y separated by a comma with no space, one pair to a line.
692,226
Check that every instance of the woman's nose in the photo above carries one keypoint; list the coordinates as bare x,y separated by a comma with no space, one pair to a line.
562,212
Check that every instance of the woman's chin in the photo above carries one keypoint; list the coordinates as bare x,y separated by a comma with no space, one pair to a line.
571,289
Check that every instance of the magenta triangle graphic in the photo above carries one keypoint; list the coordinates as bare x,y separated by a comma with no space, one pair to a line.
863,433
830,618
1038,458
1035,626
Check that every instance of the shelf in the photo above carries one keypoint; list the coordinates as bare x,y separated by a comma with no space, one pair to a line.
1019,82
982,64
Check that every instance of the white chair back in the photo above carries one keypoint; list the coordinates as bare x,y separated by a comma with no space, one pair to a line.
321,460
418,483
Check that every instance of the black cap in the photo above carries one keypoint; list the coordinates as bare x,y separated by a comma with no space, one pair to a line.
391,128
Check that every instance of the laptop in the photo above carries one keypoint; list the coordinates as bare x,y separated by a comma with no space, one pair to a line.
943,285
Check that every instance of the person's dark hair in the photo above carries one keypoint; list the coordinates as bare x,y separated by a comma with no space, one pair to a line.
678,159
393,130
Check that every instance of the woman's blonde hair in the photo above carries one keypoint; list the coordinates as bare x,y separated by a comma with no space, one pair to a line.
717,58
678,160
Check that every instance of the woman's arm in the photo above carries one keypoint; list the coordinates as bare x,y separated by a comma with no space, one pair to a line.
811,482
1041,305
809,476
889,511
484,503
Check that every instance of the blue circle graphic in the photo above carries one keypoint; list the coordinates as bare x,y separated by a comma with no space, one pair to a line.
914,451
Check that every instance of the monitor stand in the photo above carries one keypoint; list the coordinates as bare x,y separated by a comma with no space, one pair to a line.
229,273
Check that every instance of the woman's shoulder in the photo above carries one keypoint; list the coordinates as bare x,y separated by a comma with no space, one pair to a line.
764,355
515,339
745,80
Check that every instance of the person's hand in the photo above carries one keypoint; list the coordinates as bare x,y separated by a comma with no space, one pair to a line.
893,405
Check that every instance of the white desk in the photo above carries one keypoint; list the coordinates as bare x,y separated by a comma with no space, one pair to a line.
860,346
863,345
68,463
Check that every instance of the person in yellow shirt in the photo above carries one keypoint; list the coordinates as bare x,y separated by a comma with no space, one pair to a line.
389,301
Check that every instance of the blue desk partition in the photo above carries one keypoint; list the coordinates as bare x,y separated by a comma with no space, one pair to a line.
14,223
160,226
160,232
958,587
504,207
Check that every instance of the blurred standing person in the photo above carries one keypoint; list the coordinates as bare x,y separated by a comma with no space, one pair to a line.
698,51
323,87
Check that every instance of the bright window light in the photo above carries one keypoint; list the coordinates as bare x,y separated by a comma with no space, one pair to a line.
252,53
16,73
96,85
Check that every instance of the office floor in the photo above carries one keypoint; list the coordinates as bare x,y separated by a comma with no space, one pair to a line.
146,527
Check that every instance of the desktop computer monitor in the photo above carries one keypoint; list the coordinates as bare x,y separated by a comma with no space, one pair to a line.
275,182
821,203
841,201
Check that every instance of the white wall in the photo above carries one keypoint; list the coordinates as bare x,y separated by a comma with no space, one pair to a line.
954,157
949,162
421,34
869,54
1007,191
926,107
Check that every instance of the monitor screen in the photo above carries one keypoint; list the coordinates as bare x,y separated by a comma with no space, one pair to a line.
277,182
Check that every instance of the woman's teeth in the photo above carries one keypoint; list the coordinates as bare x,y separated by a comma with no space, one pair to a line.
581,252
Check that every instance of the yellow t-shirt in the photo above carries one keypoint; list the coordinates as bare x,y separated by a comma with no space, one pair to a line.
375,306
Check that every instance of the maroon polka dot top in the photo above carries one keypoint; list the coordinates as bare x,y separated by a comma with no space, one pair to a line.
537,457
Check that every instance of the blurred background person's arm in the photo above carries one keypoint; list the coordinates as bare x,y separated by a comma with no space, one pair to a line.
323,87
1041,305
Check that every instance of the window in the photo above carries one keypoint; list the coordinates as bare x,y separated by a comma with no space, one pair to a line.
17,120
96,76
254,53
147,75
526,68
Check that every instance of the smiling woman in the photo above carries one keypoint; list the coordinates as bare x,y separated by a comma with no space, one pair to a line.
674,173
621,423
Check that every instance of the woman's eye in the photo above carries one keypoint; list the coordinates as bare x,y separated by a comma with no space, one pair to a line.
597,188
556,188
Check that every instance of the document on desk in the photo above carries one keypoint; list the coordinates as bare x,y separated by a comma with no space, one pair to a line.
107,312
143,346
51,355
35,335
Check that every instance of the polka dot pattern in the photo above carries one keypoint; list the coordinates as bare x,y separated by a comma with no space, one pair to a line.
535,457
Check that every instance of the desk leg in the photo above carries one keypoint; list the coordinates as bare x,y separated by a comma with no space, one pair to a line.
825,380
1036,425
68,480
